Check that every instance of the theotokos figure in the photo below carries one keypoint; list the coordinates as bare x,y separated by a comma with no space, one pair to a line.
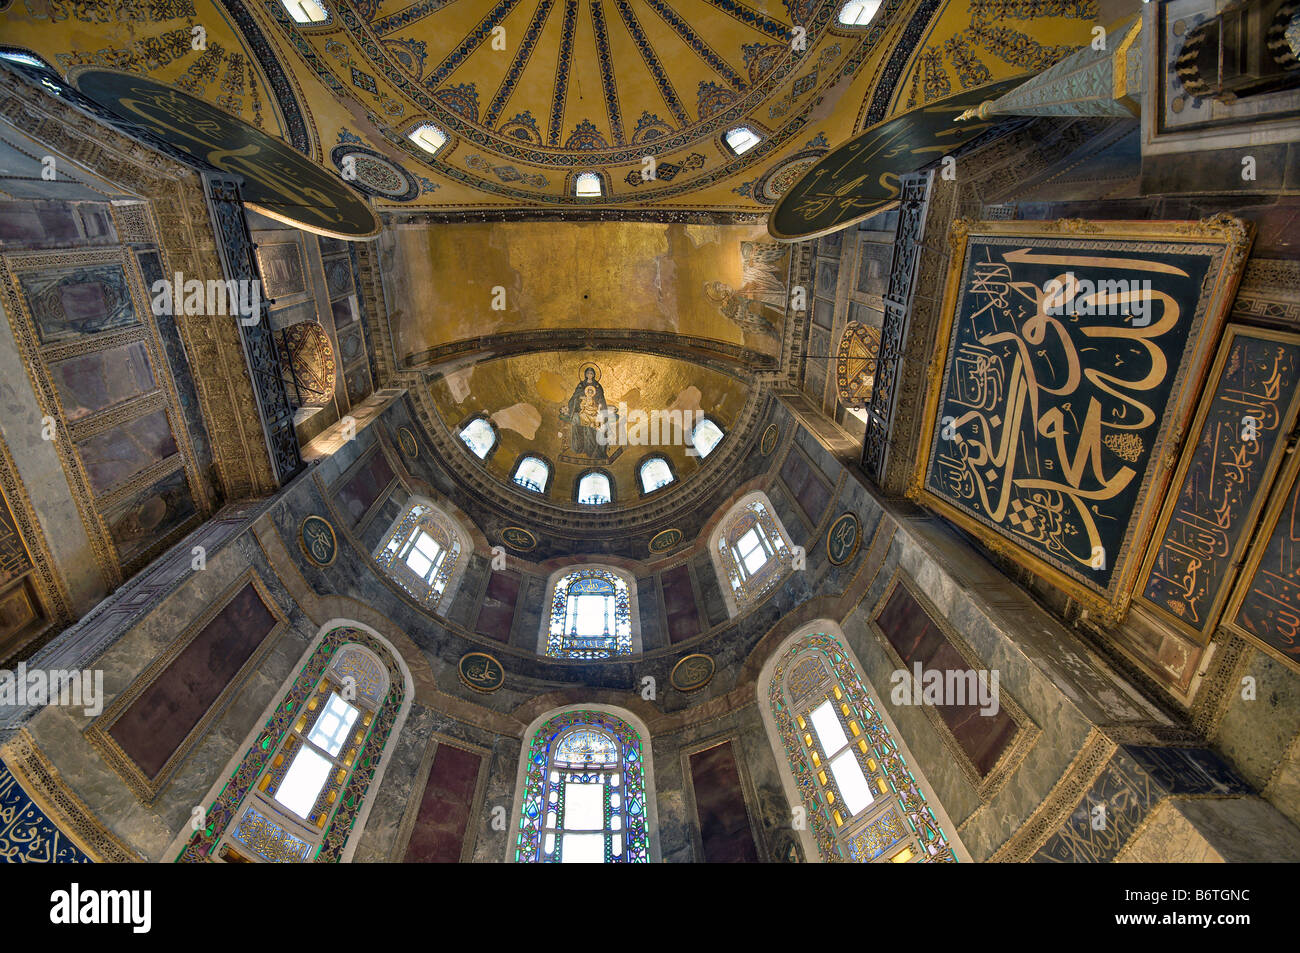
587,416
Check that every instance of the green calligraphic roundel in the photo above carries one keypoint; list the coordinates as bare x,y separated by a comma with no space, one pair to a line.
481,672
692,673
518,539
406,440
767,443
278,180
316,536
860,178
662,542
843,539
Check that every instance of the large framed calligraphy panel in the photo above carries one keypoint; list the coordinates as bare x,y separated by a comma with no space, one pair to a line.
1265,606
1068,361
1222,482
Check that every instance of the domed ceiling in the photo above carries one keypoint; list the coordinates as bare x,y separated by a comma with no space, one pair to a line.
530,92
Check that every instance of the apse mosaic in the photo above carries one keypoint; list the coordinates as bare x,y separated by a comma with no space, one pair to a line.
549,404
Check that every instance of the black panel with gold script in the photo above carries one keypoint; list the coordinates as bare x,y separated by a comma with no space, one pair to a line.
860,178
278,180
1068,356
1221,484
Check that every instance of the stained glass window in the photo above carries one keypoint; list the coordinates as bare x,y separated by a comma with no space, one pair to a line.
707,435
591,616
532,473
422,553
301,786
584,796
751,550
479,436
655,473
864,804
594,488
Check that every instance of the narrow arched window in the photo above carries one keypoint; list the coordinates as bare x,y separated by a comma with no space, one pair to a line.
858,13
300,789
595,488
584,793
532,473
480,436
841,761
750,550
706,436
655,474
591,615
422,554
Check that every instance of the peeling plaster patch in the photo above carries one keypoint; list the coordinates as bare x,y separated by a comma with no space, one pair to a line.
458,383
523,419
688,399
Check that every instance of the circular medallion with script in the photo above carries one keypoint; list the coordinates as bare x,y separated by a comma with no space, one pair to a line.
518,539
843,539
481,672
668,539
406,440
692,673
767,442
316,536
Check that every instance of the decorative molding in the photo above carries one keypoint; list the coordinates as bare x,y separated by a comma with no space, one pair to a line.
47,789
1053,811
177,209
148,788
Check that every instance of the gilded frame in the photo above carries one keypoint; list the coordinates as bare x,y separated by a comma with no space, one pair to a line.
147,789
1272,465
1281,495
1027,732
1232,237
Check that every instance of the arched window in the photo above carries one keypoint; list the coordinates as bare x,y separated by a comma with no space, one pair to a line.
532,473
480,436
858,13
299,790
584,792
594,487
751,551
655,473
590,616
422,553
706,436
841,761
